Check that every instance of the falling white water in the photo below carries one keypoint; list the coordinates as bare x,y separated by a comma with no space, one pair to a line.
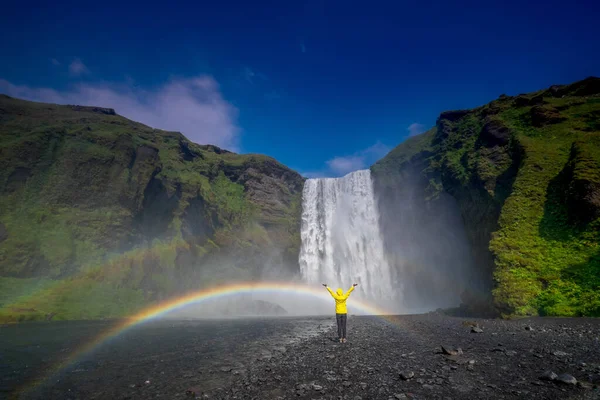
341,239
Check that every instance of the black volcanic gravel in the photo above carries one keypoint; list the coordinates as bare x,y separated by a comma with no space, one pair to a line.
299,358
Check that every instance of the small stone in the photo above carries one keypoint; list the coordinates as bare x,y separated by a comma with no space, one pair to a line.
510,353
406,375
548,376
528,328
346,383
559,353
420,381
476,329
400,396
428,387
318,388
472,362
363,385
567,379
450,351
147,382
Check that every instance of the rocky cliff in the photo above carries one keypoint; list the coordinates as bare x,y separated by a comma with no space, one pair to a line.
523,173
100,215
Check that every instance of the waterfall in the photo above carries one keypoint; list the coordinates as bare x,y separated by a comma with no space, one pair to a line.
341,239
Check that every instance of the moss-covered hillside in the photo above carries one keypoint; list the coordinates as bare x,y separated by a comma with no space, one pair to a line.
525,173
100,215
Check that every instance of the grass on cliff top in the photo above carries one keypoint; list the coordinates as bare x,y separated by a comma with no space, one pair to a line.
392,163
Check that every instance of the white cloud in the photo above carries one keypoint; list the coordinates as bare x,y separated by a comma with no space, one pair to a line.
342,165
415,129
193,106
77,68
313,174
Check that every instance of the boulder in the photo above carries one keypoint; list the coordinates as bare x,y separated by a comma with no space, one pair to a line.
453,115
583,197
541,116
495,133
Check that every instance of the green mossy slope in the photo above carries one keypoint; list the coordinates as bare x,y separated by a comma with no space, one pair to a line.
100,215
525,172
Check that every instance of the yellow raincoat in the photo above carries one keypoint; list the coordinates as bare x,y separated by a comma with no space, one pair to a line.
340,299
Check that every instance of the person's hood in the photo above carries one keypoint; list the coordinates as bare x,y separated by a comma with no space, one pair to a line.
339,291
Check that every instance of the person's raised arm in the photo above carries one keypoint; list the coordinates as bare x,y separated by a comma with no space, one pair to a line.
351,289
329,290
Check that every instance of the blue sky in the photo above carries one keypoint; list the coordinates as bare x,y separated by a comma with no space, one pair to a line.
323,86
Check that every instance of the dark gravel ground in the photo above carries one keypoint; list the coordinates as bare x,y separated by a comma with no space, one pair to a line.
403,358
299,358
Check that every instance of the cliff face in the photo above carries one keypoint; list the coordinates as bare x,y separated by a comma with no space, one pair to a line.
100,215
524,173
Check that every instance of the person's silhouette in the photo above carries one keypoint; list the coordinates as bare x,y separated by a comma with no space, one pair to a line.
341,312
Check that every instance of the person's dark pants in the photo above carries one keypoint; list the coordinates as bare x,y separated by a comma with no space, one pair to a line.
341,324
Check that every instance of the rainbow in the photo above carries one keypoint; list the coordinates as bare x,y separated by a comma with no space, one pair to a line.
198,297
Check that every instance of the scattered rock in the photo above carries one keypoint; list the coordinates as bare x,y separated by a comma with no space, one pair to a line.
566,379
194,391
406,375
476,329
428,387
528,328
594,378
559,353
450,351
318,388
400,396
548,376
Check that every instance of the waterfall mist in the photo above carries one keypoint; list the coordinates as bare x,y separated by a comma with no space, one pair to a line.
425,241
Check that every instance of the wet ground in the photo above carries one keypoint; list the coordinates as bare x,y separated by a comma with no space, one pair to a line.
299,358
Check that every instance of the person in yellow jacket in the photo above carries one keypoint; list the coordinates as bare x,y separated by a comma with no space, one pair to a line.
341,312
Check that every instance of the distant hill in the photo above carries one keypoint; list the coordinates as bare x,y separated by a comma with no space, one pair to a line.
100,215
524,171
